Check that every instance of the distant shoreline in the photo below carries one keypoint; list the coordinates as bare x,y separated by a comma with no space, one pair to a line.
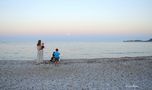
150,40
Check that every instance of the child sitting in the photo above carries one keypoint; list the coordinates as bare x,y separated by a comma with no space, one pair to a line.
55,56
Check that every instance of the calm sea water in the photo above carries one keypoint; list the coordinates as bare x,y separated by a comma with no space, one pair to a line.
75,50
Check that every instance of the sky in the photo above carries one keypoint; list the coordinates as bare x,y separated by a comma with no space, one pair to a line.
90,18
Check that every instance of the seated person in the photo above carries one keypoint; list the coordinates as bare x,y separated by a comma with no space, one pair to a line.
55,56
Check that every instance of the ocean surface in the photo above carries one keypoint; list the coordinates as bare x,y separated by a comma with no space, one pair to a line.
75,50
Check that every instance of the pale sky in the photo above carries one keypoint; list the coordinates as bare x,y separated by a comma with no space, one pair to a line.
75,17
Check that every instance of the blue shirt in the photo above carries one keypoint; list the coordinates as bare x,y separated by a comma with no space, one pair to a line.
56,54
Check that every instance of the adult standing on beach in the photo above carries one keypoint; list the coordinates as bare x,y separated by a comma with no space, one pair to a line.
41,52
40,47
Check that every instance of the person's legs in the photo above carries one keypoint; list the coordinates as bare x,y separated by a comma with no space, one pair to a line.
56,61
41,56
38,56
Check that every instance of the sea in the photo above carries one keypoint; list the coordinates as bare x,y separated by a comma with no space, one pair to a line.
74,50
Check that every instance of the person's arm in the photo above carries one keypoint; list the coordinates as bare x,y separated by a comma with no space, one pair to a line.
53,54
42,47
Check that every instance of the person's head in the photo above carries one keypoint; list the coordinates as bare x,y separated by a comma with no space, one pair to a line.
39,43
56,49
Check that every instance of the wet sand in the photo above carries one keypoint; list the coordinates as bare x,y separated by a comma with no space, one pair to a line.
126,73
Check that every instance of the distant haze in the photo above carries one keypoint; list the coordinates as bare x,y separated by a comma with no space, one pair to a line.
92,20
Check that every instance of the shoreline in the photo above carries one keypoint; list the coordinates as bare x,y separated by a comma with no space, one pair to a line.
125,73
127,57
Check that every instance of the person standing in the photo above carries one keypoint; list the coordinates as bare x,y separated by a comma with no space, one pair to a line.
41,52
38,51
40,47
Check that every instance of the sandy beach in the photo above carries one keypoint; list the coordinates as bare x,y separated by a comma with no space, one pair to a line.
126,73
